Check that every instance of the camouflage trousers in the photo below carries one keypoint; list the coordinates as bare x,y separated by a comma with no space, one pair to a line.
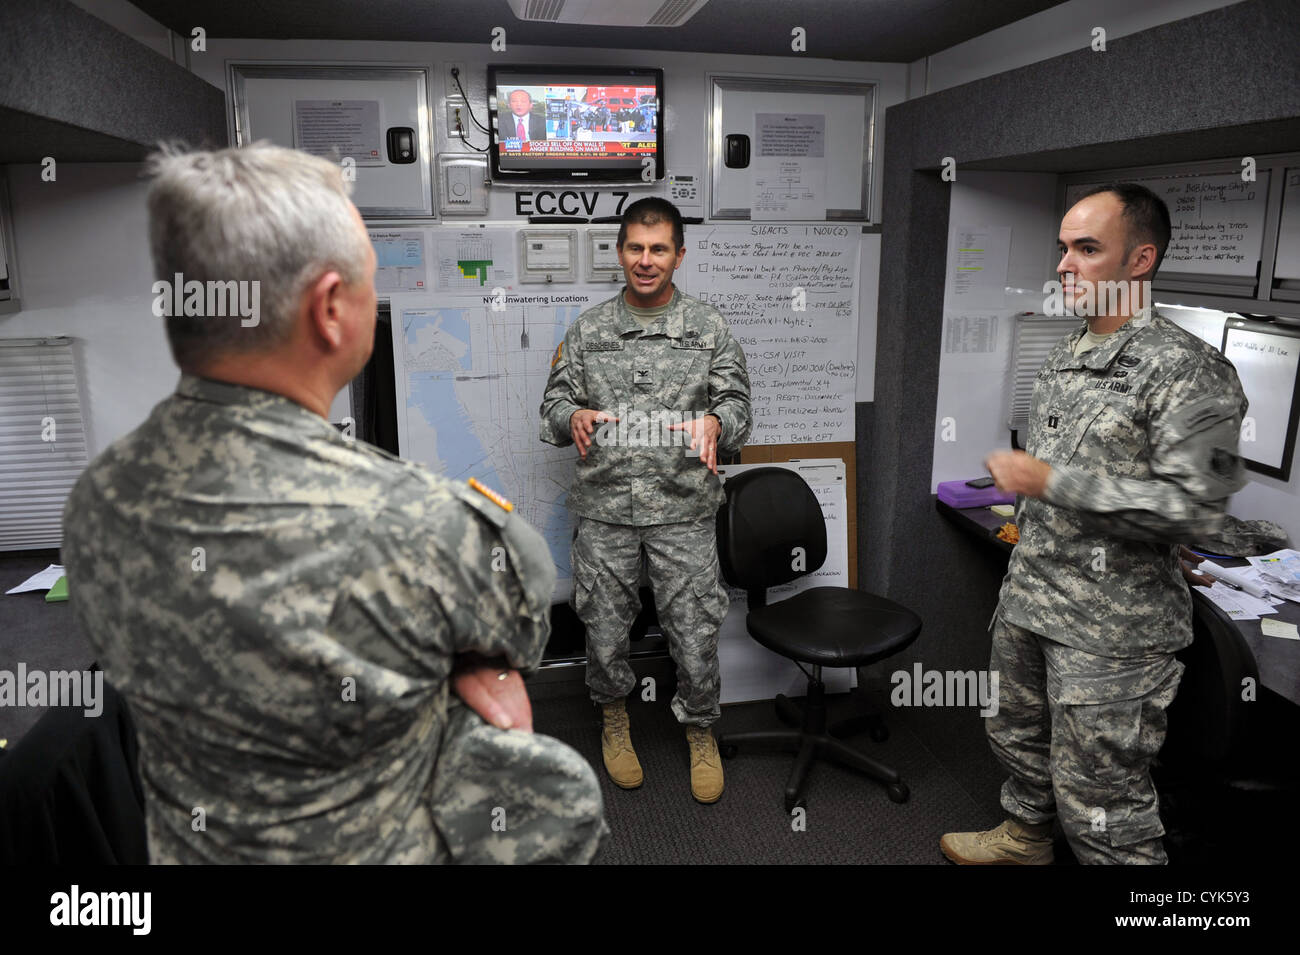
1078,732
505,796
682,559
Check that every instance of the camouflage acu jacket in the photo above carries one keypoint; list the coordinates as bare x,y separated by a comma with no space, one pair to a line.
1141,433
281,608
684,365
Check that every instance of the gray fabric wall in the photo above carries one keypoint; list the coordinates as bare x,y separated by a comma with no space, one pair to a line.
79,90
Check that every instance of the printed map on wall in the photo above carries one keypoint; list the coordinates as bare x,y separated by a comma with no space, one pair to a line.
468,391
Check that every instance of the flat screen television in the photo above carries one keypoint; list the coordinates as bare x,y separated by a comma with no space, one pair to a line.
553,124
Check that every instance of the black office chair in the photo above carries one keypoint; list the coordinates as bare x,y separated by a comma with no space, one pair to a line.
1220,761
1209,722
770,532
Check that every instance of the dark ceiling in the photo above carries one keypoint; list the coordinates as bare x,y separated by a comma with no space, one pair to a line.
889,31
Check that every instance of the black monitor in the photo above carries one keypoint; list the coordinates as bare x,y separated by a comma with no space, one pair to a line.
553,124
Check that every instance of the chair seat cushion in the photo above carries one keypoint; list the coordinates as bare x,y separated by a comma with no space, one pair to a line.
835,627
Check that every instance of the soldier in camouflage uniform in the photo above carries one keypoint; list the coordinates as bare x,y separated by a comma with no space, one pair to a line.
638,381
289,611
1132,448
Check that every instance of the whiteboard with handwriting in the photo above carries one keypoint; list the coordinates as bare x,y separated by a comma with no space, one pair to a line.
1267,361
1217,221
790,296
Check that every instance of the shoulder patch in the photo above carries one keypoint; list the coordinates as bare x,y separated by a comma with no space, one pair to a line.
559,352
491,495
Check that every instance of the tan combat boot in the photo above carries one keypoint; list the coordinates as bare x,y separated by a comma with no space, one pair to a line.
616,746
1012,843
706,764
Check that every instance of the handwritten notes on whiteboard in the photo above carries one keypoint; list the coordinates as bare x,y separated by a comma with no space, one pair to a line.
1216,222
790,296
1267,365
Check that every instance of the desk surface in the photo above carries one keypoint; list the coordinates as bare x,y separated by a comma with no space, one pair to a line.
977,521
1278,659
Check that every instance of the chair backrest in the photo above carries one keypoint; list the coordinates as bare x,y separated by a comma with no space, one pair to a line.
771,529
1209,721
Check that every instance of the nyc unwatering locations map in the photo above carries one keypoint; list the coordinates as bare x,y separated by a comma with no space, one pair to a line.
469,384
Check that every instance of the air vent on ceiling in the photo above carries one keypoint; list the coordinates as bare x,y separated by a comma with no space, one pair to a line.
609,13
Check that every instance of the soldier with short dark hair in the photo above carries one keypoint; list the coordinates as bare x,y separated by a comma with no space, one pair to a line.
293,616
637,382
1132,448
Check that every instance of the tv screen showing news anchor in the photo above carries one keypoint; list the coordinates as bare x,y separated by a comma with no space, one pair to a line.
522,119
601,124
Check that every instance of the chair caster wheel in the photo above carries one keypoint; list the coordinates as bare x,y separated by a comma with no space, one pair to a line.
880,733
898,791
728,750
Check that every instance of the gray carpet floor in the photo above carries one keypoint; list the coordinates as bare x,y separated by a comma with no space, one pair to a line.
848,818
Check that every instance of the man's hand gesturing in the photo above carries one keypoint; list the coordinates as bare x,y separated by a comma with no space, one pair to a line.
581,423
1016,472
704,434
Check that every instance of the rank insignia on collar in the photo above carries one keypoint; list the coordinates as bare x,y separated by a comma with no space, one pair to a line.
491,495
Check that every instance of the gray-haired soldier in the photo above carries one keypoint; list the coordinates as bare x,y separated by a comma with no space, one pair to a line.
1132,449
287,611
638,379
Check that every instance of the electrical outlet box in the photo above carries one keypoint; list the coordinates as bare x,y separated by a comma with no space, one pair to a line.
603,264
454,107
548,255
452,89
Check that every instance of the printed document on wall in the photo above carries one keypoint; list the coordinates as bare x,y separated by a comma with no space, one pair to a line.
977,265
474,260
400,264
788,168
339,129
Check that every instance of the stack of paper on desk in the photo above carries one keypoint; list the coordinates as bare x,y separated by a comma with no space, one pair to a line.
1238,604
1243,578
1280,572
